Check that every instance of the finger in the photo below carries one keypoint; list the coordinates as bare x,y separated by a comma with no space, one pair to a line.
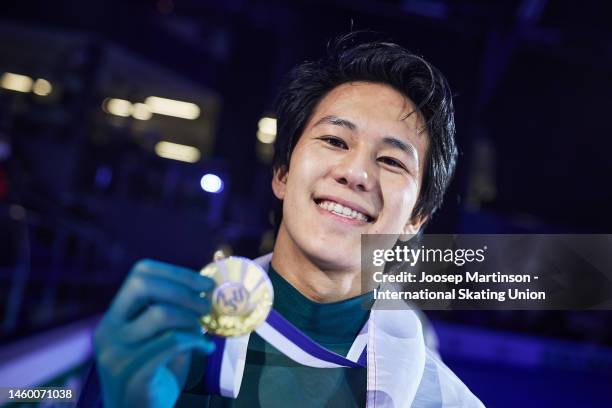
157,319
184,276
141,290
162,349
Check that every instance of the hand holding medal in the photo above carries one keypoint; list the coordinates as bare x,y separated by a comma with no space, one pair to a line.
242,298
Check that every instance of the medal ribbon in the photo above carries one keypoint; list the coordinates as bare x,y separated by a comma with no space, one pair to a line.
288,339
396,355
226,364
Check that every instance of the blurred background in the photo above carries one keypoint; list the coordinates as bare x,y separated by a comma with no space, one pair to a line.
133,129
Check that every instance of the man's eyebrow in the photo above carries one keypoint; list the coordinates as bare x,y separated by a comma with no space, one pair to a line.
403,146
335,120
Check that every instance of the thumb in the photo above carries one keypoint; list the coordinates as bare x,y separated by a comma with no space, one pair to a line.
151,382
160,350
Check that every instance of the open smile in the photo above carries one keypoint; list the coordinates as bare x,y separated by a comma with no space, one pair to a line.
343,210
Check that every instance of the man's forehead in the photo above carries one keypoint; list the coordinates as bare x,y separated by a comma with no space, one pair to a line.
373,99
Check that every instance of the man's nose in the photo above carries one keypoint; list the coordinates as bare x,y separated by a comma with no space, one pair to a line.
355,171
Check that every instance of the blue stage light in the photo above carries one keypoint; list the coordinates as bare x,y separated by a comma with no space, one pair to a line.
104,176
211,183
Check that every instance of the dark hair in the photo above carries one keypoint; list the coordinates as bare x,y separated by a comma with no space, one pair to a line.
348,60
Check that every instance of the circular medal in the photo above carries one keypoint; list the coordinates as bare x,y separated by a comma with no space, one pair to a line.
242,297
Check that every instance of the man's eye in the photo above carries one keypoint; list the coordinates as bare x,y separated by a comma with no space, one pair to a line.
391,162
334,141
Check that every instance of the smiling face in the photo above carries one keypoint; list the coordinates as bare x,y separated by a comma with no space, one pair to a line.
356,169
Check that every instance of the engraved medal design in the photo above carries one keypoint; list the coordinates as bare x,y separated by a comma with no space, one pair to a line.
242,297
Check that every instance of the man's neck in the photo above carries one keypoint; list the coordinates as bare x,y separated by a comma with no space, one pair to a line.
320,284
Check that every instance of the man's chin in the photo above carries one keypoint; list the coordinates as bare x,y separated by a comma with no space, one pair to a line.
337,259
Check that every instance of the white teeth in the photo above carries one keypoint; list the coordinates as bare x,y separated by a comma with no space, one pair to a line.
342,210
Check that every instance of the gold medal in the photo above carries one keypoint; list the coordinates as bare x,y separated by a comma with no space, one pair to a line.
242,297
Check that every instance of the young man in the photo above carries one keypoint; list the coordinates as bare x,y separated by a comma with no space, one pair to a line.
365,146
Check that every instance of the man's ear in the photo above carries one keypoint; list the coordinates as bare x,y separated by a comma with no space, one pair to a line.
279,182
413,226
